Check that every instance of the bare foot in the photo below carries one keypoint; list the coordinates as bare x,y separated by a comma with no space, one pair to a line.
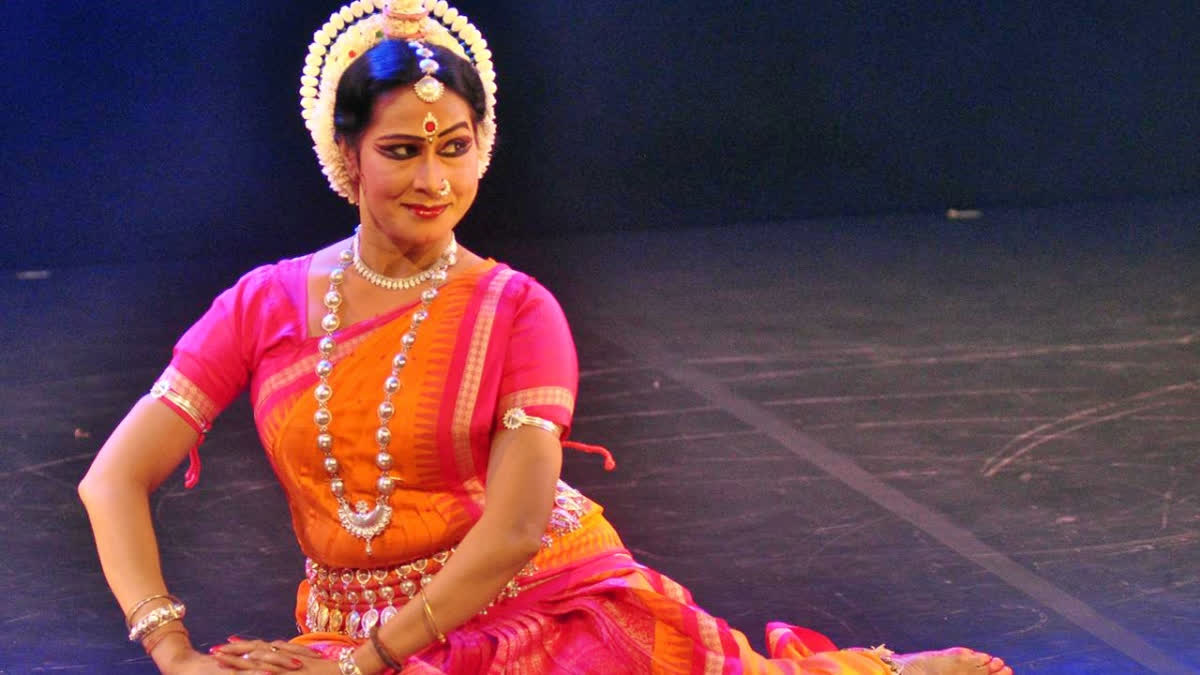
953,661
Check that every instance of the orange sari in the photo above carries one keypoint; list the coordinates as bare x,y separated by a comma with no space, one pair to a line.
495,339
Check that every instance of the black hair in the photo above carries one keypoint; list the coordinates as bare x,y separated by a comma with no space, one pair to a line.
392,64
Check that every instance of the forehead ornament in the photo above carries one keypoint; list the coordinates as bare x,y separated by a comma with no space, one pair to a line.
362,24
430,127
428,88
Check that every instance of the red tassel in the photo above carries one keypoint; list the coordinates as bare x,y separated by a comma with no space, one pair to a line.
192,477
609,462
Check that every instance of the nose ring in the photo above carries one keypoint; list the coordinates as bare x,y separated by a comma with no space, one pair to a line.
444,191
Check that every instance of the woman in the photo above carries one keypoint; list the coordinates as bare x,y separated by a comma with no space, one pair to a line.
412,397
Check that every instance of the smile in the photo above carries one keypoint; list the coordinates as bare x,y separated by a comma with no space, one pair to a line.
422,211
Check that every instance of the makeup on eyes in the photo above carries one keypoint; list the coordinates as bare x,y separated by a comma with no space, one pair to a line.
454,147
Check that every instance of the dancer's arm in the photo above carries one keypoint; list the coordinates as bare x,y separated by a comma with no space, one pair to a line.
143,450
522,473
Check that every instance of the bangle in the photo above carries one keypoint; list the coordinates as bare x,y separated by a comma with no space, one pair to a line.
156,619
142,603
441,637
153,642
346,663
384,654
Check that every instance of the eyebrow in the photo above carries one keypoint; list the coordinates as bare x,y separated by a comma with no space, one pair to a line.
460,125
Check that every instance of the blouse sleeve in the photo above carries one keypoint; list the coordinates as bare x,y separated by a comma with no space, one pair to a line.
541,373
211,363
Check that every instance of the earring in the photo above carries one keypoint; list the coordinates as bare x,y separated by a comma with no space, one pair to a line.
445,189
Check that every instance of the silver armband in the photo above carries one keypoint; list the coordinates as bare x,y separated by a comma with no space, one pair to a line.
516,418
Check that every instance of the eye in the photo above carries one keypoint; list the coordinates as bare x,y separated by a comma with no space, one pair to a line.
400,150
456,147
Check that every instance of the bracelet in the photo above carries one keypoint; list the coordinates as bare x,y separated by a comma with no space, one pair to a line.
516,417
152,631
346,663
384,654
441,637
153,642
156,619
142,603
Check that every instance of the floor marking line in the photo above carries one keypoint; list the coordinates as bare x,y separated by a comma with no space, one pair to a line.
928,520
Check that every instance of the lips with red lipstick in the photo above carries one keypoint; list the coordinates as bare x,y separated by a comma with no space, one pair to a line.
426,211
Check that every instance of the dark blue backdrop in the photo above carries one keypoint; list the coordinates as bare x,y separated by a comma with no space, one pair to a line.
170,129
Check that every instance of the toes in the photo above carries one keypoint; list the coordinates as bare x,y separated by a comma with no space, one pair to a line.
971,657
995,665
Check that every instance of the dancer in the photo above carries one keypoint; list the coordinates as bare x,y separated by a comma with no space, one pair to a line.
412,398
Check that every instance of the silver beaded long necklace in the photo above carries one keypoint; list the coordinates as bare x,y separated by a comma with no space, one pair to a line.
363,520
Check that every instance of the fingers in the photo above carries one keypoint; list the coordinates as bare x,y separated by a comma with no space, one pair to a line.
298,651
239,646
259,655
249,663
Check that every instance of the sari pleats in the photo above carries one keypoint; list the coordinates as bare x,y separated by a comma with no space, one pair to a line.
605,613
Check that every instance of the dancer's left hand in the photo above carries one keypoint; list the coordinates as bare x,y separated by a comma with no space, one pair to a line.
278,656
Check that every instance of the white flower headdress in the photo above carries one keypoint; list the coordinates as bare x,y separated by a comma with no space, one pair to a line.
353,30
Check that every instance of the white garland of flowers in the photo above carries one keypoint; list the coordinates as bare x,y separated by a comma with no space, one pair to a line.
353,30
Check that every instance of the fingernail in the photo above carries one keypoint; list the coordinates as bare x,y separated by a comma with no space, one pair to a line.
297,663
214,649
234,638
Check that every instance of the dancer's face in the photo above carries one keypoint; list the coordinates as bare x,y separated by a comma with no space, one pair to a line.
402,176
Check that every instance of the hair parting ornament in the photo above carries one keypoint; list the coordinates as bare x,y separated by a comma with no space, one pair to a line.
362,24
428,88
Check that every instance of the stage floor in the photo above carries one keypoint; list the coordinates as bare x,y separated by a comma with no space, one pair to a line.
901,430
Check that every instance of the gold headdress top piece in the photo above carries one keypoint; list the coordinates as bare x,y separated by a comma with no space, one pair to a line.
362,24
403,20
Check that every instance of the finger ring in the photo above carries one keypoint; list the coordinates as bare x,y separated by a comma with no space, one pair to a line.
274,648
246,655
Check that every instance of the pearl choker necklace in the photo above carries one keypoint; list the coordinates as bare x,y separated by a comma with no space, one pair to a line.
364,521
401,283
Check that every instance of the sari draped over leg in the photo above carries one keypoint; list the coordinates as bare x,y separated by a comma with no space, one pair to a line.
495,339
